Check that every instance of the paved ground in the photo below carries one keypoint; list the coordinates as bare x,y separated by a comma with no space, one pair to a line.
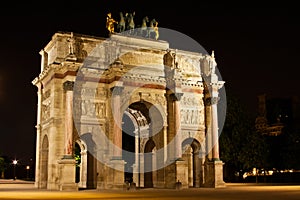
10,189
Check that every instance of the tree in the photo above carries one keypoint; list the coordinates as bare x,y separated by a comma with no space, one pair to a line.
241,147
290,148
3,166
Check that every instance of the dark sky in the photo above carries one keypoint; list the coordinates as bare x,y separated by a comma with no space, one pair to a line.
256,48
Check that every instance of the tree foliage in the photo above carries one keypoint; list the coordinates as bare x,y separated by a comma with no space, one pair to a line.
241,147
3,166
286,149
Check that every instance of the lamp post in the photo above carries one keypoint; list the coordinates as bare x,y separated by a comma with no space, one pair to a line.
27,168
15,162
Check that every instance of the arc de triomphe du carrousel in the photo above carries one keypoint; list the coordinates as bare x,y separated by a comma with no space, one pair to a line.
126,110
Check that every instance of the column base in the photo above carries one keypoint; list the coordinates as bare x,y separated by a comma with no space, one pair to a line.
67,174
177,175
68,187
214,174
116,172
71,57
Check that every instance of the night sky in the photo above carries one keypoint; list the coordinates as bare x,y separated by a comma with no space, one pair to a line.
256,48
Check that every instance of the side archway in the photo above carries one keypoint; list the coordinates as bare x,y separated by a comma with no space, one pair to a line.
44,163
149,164
81,163
91,162
191,149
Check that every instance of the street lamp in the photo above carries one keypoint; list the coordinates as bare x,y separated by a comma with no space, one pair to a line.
15,162
27,168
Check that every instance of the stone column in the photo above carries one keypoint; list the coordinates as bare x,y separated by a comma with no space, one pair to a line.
38,135
214,167
215,128
177,124
136,165
44,59
83,169
67,165
117,120
178,165
117,163
68,149
208,124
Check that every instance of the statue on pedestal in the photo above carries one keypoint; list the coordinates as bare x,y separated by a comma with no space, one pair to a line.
126,23
153,28
110,23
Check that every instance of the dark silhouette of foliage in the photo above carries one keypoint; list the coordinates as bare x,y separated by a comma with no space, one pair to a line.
241,147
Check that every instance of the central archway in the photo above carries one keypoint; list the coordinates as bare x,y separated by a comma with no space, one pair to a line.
141,125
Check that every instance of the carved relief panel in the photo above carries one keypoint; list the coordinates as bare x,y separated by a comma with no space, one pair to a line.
192,109
192,116
188,65
46,105
91,108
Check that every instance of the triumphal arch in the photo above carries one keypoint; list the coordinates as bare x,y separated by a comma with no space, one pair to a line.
125,110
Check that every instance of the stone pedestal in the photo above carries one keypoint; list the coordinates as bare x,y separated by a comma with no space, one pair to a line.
214,174
101,185
175,173
117,170
67,174
182,174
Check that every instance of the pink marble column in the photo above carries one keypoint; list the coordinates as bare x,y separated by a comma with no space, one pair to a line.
68,148
177,125
215,128
117,117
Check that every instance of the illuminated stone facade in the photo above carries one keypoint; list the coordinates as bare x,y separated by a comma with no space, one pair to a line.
141,85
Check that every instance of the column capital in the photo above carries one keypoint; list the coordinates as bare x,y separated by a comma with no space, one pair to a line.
217,84
211,100
117,90
176,96
42,51
68,85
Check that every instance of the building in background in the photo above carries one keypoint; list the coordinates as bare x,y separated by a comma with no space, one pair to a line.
275,113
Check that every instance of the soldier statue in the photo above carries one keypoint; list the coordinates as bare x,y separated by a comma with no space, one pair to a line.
110,23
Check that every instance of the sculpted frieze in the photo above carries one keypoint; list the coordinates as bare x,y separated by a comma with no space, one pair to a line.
138,58
155,98
46,94
91,92
46,111
188,65
90,108
101,93
192,116
100,109
188,101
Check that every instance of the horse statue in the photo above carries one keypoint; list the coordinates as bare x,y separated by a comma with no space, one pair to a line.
144,27
153,28
122,23
130,22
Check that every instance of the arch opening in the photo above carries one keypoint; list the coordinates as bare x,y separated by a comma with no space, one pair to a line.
138,152
44,163
191,149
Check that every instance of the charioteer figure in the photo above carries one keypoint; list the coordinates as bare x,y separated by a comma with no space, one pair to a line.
110,23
